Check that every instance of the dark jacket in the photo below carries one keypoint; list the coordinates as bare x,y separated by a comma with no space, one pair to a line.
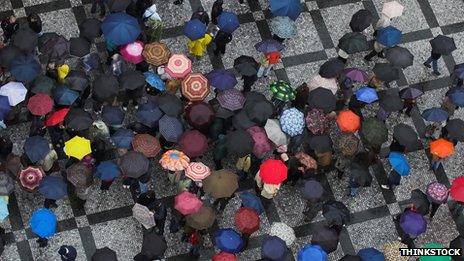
9,28
67,253
216,11
202,16
35,23
436,56
222,38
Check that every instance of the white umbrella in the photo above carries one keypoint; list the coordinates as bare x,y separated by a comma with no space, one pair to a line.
392,9
319,81
15,91
143,215
275,133
284,232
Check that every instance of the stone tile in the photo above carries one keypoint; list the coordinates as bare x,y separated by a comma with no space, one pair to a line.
331,53
76,3
258,16
458,54
303,72
62,22
447,11
306,40
436,31
20,12
337,19
10,253
312,5
232,6
5,6
412,18
372,233
452,165
63,238
35,2
432,98
290,205
436,232
82,221
394,209
174,15
250,254
20,235
115,197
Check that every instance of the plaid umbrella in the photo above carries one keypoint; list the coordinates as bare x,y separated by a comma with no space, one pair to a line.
282,91
202,219
147,145
174,160
292,122
231,99
220,184
170,128
30,177
193,143
283,27
374,131
178,66
195,87
134,164
197,171
262,144
317,122
156,53
187,203
348,144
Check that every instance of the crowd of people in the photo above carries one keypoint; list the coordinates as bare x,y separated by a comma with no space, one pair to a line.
80,135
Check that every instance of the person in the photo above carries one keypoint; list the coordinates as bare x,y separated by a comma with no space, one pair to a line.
194,239
153,23
35,23
158,207
216,11
433,59
221,40
9,26
101,4
67,253
393,179
405,238
197,48
201,15
378,50
267,63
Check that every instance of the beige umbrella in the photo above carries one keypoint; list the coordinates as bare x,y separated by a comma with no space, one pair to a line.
392,253
392,9
319,81
203,219
275,133
221,184
143,215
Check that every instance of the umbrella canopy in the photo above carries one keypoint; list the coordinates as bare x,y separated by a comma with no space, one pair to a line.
6,184
399,163
325,83
170,104
247,220
77,147
43,223
245,65
105,87
389,36
306,160
36,148
156,53
386,72
76,80
457,189
410,93
132,80
290,8
120,28
195,87
228,22
273,171
456,95
400,57
359,175
282,91
437,192
348,144
366,94
274,248
458,68
413,223
3,211
55,47
25,39
390,101
224,256
132,52
353,42
374,131
327,238
441,148
90,28
331,68
443,45
222,79
252,201
149,114
458,242
109,170
356,74
8,54
371,254
53,187
434,258
143,215
197,171
283,27
335,212
455,129
146,144
390,250
392,9
202,219
407,137
104,254
284,232
43,84
259,111
231,99
323,99
193,143
64,95
269,46
30,177
221,184
292,122
321,143
228,240
122,138
112,115
78,119
239,142
241,121
153,245
348,121
435,114
154,81
199,115
178,66
79,46
25,68
361,20
174,160
170,128
118,5
79,175
194,29
187,203
420,201
261,141
134,164
312,190
275,133
312,252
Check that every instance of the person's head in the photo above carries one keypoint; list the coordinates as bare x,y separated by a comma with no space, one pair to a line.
220,2
200,9
12,19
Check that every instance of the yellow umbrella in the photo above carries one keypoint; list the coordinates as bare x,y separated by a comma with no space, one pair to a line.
77,147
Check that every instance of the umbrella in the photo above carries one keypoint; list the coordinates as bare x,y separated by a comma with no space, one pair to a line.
275,133
443,45
435,114
228,240
252,201
374,131
134,164
352,258
388,36
231,99
245,65
457,189
77,147
273,171
319,81
410,93
120,28
290,8
239,142
458,69
78,119
193,143
312,252
149,114
43,223
399,163
348,144
187,203
178,66
170,128
261,142
108,170
306,160
76,80
25,39
25,68
274,248
392,9
348,121
312,190
6,184
456,96
143,215
413,223
90,28
335,212
146,144
222,79
283,27
221,184
79,46
105,87
3,211
56,48
323,99
371,254
194,29
118,5
195,87
390,250
104,254
170,104
284,232
441,148
132,80
366,94
30,177
259,111
174,160
64,95
228,22
269,46
327,238
361,20
122,138
36,148
79,175
321,143
331,68
386,72
400,57
156,53
53,188
420,201
353,42
407,137
224,256
356,74
43,84
132,52
247,220
437,192
458,242
435,258
390,101
153,245
8,54
292,122
199,115
112,115
455,129
359,175
202,219
282,91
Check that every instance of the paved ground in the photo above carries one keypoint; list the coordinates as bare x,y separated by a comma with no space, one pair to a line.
106,219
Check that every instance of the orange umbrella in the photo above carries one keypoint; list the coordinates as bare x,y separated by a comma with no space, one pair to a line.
146,144
195,87
441,148
348,121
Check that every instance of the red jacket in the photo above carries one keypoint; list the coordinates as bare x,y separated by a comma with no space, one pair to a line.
273,57
194,238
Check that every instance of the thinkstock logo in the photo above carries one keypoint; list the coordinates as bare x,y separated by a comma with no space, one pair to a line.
431,251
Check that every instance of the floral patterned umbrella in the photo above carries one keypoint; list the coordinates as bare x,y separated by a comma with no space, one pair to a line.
178,66
146,144
348,144
197,171
132,52
292,122
195,87
306,160
231,99
317,121
156,53
437,192
262,144
174,160
30,177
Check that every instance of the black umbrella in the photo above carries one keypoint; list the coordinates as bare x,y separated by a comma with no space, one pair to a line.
240,142
77,80
359,175
241,121
153,245
25,39
321,143
443,45
8,54
321,98
361,20
327,238
350,258
386,72
312,190
170,104
353,42
112,115
90,29
259,111
336,212
246,65
420,201
400,57
77,119
455,129
55,47
253,97
104,254
410,93
118,5
131,80
332,68
134,164
105,87
458,242
407,137
79,46
390,101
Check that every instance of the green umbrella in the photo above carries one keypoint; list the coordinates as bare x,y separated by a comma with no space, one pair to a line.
43,84
434,258
374,131
282,91
353,42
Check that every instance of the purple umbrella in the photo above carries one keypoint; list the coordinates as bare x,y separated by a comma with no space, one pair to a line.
231,99
356,74
222,79
410,93
269,46
413,223
170,128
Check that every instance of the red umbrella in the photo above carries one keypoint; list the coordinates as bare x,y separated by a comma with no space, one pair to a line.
195,87
457,189
56,117
193,143
30,178
224,256
146,144
262,143
187,203
200,115
40,104
178,66
247,220
273,171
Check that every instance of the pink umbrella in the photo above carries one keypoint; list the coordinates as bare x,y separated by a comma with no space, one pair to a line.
262,143
178,66
132,52
231,99
356,74
197,171
187,203
30,177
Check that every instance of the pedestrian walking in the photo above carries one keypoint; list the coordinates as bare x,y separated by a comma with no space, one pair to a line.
267,62
216,11
101,5
433,59
35,23
221,40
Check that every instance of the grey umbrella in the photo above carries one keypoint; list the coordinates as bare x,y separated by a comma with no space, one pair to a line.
283,27
170,104
8,54
25,39
90,28
386,72
407,137
336,212
6,184
353,42
242,121
239,142
78,119
77,80
134,164
400,57
391,101
455,129
443,44
80,175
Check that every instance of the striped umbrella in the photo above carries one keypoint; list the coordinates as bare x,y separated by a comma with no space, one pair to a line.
195,87
197,171
146,144
231,99
174,160
156,53
178,66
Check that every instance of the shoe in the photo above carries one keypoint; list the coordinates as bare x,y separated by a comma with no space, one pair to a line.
437,73
177,2
367,59
124,108
385,186
136,107
427,65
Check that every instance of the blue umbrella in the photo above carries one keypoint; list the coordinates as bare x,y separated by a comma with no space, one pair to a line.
120,28
107,170
269,46
274,248
252,201
25,68
435,115
122,138
371,254
36,148
413,223
64,96
389,36
43,223
459,71
170,128
228,240
399,163
112,115
283,27
312,252
290,8
194,29
53,187
367,94
149,114
228,22
3,209
457,96
222,79
312,190
154,81
5,107
292,122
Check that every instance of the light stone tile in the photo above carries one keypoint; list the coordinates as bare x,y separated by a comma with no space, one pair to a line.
337,19
50,252
174,15
458,54
303,72
20,12
412,18
372,233
447,11
306,40
5,6
258,15
35,2
10,253
115,197
62,22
